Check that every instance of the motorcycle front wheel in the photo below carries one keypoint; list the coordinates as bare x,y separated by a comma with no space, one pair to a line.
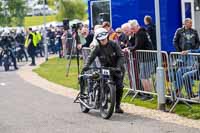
108,98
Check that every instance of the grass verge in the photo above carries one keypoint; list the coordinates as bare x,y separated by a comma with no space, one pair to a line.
55,71
37,20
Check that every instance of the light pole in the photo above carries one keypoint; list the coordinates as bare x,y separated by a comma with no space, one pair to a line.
160,70
44,33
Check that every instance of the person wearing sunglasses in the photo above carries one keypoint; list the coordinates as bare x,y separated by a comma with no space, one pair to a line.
110,55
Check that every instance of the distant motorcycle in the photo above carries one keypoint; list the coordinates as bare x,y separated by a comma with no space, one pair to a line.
19,54
6,59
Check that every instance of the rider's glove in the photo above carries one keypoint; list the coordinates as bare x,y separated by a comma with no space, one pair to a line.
118,69
85,68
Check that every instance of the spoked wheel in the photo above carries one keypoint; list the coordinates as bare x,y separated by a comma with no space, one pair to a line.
84,97
108,101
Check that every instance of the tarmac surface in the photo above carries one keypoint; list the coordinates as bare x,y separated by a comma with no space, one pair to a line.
30,104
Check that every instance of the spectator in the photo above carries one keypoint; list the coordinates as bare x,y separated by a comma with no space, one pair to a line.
112,35
141,37
142,41
186,37
58,41
87,36
122,39
151,29
126,29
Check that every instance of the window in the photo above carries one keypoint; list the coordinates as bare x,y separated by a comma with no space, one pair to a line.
100,11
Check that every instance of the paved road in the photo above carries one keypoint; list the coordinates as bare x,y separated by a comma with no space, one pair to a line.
28,109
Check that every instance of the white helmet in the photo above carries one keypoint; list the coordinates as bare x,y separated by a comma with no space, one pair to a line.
5,33
101,34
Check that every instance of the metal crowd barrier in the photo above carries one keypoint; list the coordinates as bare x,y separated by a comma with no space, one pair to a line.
181,73
185,73
85,53
129,73
143,70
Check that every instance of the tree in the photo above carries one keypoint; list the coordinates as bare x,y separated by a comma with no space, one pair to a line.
71,9
17,11
4,14
43,2
1,15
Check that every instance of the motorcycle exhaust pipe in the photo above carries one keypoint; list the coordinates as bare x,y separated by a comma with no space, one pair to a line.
87,106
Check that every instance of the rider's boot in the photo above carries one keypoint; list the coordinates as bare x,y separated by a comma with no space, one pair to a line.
119,94
15,63
82,88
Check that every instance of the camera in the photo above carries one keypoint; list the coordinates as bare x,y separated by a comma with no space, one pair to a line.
66,24
77,26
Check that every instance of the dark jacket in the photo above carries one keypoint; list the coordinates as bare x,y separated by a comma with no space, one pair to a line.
109,56
123,40
142,41
6,41
186,39
89,40
20,38
151,29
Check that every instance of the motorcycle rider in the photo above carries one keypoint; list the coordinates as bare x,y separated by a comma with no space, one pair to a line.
20,39
6,42
110,55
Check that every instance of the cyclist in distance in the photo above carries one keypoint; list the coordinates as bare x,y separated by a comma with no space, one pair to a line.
110,55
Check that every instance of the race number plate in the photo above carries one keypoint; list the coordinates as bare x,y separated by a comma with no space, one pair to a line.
106,72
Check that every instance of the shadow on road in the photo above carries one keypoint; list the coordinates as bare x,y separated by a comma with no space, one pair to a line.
126,117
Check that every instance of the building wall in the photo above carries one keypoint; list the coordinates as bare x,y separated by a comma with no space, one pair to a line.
170,16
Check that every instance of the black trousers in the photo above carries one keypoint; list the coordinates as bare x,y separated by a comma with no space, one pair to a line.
31,52
118,80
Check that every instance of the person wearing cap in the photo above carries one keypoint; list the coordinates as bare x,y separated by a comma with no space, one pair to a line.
110,55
